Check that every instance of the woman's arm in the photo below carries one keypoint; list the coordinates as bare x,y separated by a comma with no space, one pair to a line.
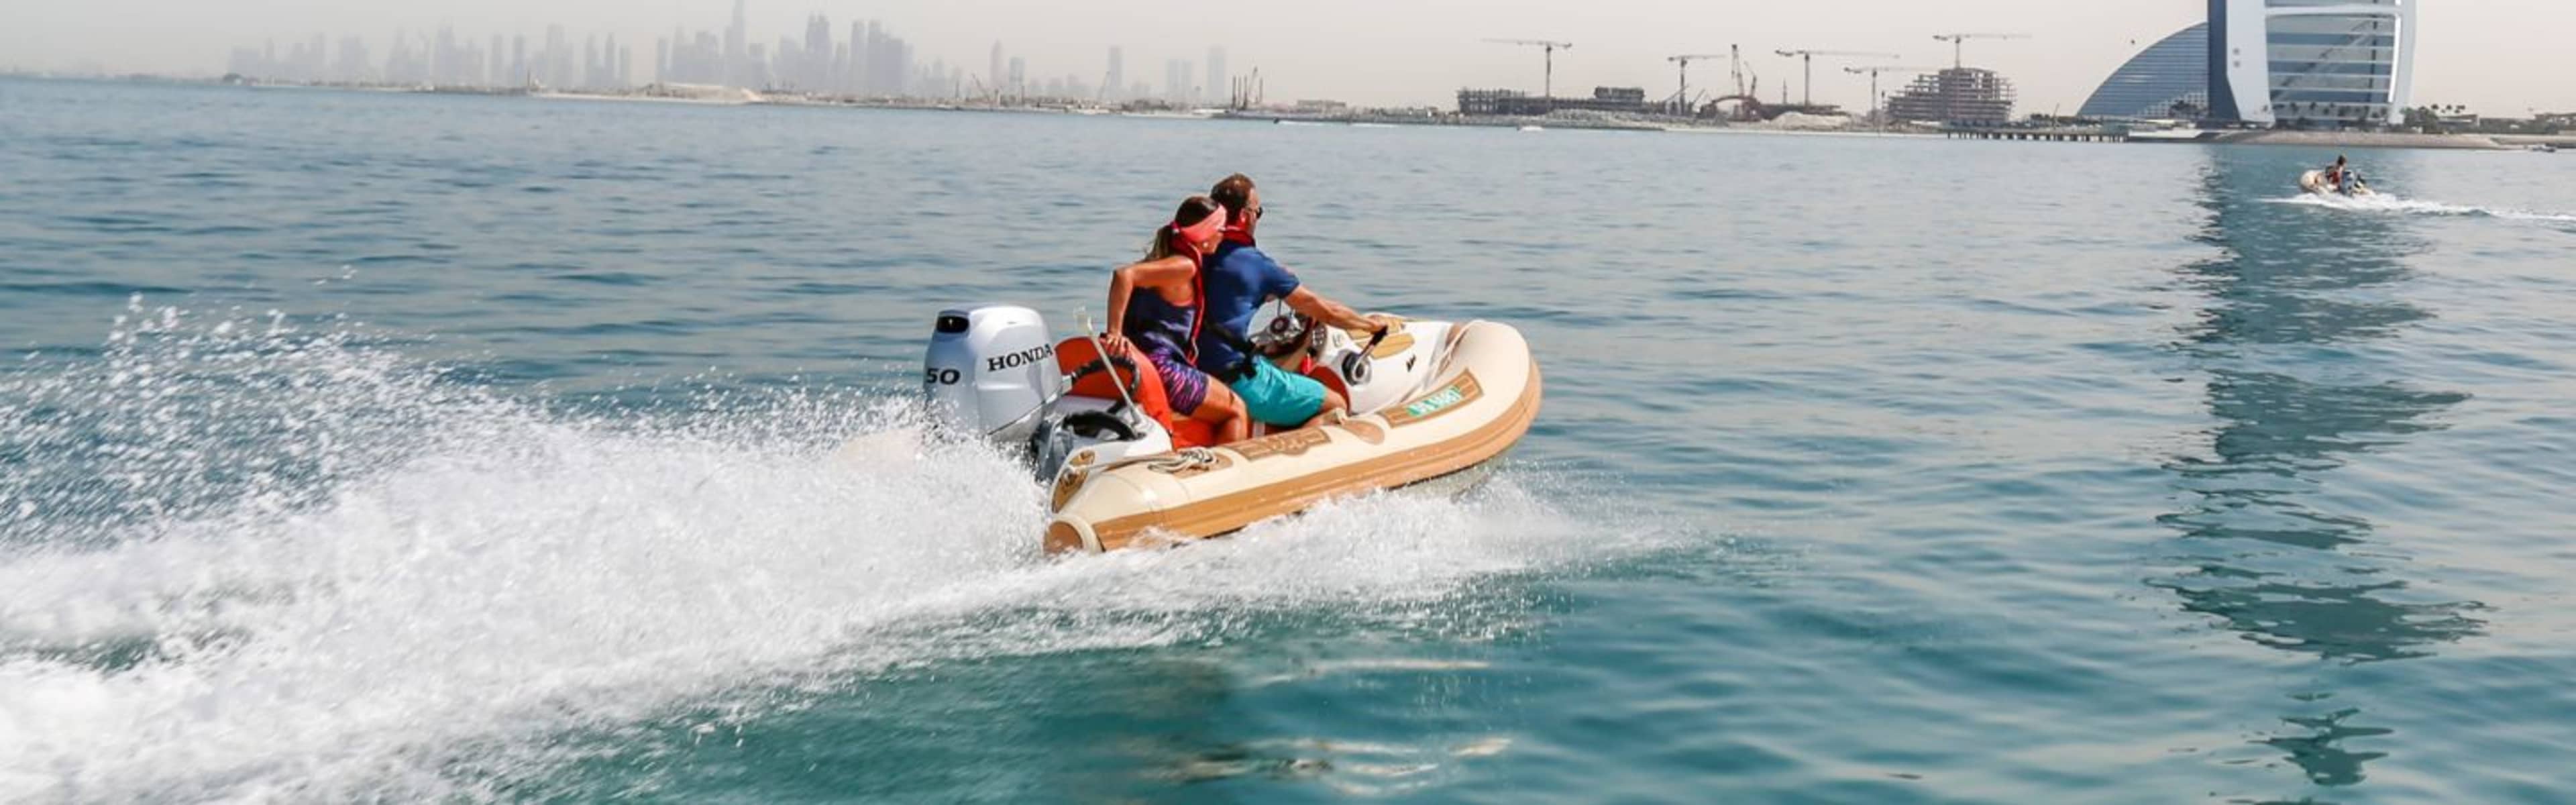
1150,274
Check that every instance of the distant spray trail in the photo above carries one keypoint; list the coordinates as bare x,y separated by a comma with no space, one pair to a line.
2385,203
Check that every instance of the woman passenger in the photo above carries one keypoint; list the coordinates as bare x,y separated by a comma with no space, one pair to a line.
1154,309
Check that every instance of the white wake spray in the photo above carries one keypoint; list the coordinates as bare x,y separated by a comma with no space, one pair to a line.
245,562
2385,203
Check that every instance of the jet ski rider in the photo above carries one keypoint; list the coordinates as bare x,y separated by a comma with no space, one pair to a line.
1235,282
2337,176
1154,306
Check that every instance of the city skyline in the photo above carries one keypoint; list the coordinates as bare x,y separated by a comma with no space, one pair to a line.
2474,52
869,61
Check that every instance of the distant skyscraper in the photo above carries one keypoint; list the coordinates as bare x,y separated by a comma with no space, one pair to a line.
783,63
816,73
442,57
1117,78
1218,89
737,55
353,61
994,76
904,70
396,68
706,59
1019,77
880,54
498,71
838,76
558,57
859,60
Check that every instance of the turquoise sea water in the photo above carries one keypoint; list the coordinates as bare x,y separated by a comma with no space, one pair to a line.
369,446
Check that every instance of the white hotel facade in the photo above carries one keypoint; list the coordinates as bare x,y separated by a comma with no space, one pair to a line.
2311,63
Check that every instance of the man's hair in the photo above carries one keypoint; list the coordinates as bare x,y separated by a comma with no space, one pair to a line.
1235,192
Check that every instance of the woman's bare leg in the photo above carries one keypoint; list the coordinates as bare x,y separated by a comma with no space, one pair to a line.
1224,410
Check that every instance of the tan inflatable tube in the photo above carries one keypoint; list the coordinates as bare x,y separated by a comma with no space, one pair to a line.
1473,409
2315,182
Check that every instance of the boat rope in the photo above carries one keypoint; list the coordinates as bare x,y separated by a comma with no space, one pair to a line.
1182,459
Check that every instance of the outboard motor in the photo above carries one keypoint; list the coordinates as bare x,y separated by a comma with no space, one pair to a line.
991,373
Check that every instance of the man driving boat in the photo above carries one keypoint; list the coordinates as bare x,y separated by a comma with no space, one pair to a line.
1235,282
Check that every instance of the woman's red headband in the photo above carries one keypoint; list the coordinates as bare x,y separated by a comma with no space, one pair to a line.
1206,229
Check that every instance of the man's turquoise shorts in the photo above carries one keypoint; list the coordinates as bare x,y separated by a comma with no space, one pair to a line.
1277,397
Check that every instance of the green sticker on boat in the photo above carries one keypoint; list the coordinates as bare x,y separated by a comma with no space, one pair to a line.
1432,404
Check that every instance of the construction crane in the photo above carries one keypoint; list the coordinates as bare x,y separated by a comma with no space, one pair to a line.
1735,66
1547,89
1873,80
1959,44
1681,96
1809,56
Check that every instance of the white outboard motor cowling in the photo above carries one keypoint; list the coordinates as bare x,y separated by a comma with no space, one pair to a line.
991,372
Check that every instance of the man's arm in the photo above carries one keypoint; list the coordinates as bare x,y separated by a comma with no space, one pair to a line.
1315,306
1276,281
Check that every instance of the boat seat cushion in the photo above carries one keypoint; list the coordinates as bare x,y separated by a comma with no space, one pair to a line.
1074,353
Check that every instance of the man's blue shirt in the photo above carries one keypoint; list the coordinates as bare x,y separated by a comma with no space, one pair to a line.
1235,283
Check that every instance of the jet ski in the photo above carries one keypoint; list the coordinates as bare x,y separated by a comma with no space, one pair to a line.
2315,182
1429,400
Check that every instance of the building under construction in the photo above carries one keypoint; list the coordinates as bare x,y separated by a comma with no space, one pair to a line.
1959,95
1514,103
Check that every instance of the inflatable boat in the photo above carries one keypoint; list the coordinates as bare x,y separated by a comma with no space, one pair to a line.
1429,400
2315,182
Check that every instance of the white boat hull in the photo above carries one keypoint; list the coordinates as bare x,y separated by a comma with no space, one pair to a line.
1476,398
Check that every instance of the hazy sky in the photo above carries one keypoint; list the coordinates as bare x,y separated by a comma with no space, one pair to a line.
2497,56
